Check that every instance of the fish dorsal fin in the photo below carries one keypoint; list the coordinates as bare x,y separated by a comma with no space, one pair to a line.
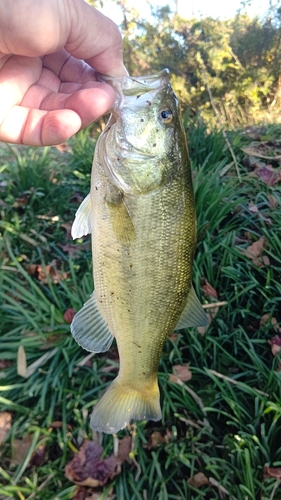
82,223
193,313
89,329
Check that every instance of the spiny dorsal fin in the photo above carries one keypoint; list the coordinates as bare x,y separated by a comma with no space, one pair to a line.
193,313
82,223
89,329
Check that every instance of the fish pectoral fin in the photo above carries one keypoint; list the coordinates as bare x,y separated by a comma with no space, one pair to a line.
82,224
89,328
120,217
193,313
121,403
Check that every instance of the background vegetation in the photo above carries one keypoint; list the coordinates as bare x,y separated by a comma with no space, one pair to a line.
220,435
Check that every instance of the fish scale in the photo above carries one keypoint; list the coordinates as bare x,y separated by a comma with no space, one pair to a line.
141,214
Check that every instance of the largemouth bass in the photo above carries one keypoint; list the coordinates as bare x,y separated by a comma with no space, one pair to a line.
141,214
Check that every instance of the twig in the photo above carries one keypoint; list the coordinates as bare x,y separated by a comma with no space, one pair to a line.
196,399
214,304
276,484
235,382
205,79
42,485
221,488
223,131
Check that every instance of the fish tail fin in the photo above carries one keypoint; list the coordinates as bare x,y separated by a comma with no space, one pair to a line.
120,404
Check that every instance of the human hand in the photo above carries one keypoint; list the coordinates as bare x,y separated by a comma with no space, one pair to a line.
48,87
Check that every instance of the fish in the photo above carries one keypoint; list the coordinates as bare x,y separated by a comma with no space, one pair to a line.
141,213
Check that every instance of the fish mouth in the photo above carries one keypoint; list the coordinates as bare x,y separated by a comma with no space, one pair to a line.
137,85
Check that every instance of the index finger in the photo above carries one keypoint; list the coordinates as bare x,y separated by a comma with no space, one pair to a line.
35,28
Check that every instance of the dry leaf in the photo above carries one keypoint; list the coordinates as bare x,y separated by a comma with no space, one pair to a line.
213,311
5,424
267,174
272,472
273,321
253,208
57,424
26,371
156,439
87,469
38,456
209,290
5,363
69,315
273,202
70,248
182,372
275,343
83,493
67,228
198,480
254,252
20,448
125,448
50,272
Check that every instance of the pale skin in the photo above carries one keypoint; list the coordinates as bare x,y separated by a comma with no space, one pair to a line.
50,54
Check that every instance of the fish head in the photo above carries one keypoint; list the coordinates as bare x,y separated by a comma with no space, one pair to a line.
144,133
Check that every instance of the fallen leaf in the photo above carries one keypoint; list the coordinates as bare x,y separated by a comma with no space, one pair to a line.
254,151
69,315
210,315
267,174
209,290
254,252
83,493
275,343
57,424
182,372
38,456
67,228
21,202
273,321
20,448
155,440
70,248
272,201
272,472
63,147
5,424
198,480
87,469
51,272
125,448
253,208
5,363
173,337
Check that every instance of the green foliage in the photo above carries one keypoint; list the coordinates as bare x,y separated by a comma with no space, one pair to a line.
239,59
224,422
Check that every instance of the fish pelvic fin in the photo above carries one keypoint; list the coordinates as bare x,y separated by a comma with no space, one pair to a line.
121,404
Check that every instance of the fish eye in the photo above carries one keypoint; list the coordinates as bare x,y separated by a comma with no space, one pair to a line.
166,115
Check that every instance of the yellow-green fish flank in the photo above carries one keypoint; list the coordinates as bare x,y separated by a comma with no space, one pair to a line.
141,214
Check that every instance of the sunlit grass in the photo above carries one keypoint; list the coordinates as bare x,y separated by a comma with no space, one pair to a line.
226,421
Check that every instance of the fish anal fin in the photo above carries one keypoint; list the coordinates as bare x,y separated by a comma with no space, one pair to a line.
89,328
121,404
193,313
82,224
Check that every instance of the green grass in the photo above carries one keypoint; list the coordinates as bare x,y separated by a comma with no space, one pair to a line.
228,426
